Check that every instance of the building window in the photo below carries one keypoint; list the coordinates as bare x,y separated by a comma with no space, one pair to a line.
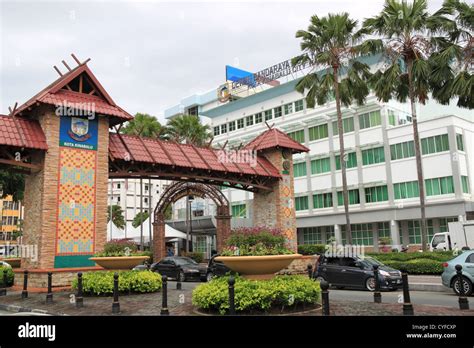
318,132
460,142
322,200
414,231
321,165
145,200
311,235
362,234
383,229
402,150
347,126
239,210
146,187
301,203
434,144
353,195
439,186
408,189
258,118
351,162
392,119
376,194
299,169
118,185
299,105
249,120
240,123
443,223
371,119
372,156
330,235
288,108
232,126
216,130
268,115
297,136
118,199
465,184
223,128
193,111
278,111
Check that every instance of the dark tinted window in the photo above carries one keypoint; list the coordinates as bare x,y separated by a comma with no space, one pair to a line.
470,258
348,262
332,261
166,262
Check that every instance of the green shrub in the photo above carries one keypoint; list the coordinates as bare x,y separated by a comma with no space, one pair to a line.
121,247
102,282
417,266
257,295
441,256
10,276
198,257
311,249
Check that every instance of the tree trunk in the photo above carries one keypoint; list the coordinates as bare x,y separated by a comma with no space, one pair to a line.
141,211
419,166
342,157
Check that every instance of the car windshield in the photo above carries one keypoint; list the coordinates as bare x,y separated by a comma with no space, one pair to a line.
185,261
369,261
437,240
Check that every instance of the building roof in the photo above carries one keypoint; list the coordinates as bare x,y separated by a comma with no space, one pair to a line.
22,133
275,138
56,94
153,151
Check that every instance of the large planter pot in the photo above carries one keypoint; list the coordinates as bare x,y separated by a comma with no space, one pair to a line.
15,262
258,267
119,262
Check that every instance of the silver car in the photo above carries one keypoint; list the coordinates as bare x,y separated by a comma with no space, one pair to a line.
449,277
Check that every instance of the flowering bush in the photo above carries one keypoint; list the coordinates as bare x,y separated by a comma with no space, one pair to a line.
255,241
120,247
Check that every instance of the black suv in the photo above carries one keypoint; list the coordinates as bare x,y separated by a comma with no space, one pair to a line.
356,272
215,268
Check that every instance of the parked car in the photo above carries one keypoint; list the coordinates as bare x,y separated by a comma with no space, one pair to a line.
140,268
449,276
357,272
5,264
180,267
215,268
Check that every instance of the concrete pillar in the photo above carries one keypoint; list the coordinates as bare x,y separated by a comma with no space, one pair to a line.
338,234
223,227
395,234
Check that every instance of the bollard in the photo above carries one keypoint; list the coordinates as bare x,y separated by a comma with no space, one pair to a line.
463,302
231,283
49,295
325,296
310,271
116,303
164,298
178,282
24,293
377,294
79,298
3,291
407,306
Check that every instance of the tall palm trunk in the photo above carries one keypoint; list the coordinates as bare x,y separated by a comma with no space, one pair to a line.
419,167
342,156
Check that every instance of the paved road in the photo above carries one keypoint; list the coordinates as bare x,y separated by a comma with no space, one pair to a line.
417,297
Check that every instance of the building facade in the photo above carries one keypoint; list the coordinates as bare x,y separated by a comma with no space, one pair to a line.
11,213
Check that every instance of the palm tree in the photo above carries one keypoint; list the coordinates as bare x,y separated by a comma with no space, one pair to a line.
117,215
408,42
332,46
145,125
188,129
452,67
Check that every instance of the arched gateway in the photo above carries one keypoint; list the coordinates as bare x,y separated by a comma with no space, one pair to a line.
61,139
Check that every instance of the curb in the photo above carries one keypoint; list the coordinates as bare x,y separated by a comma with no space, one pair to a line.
18,309
428,287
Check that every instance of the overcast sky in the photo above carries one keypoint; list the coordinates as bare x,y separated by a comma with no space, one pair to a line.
150,54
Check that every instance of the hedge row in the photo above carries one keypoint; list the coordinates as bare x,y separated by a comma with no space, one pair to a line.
311,249
417,266
441,256
10,276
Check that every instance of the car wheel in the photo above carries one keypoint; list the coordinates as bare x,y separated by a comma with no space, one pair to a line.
370,284
181,276
467,284
209,276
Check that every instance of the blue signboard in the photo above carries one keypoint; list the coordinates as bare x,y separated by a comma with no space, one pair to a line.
78,132
244,77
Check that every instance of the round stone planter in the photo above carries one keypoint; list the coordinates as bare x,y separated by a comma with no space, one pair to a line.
258,267
15,262
119,262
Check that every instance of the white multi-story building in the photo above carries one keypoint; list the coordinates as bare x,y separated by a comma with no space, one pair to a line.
381,168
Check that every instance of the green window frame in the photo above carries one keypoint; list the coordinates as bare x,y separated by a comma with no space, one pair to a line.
297,136
217,130
439,186
232,126
268,115
353,195
239,210
434,144
383,229
459,142
329,233
347,126
223,128
392,119
373,156
414,231
311,235
376,194
362,234
407,189
351,160
299,169
258,118
443,223
322,200
278,112
318,132
370,119
288,108
402,150
249,120
465,184
321,165
301,203
240,123
299,106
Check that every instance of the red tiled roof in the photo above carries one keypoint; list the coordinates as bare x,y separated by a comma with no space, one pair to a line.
274,138
147,150
24,134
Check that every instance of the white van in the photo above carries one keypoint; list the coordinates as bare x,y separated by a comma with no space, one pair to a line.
460,236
